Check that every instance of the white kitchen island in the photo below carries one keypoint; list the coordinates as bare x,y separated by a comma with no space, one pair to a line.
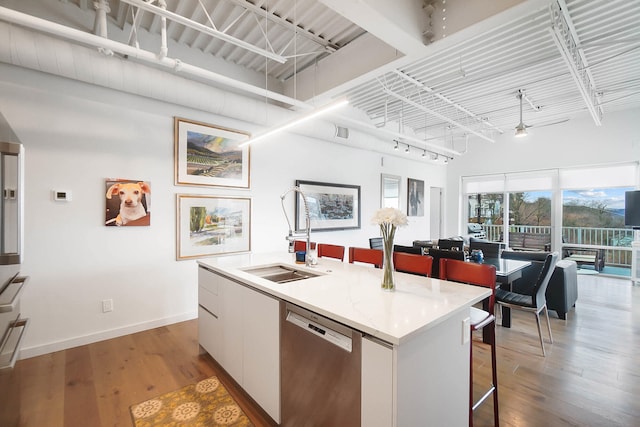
415,350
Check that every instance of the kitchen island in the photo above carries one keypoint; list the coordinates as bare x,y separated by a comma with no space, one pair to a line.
415,340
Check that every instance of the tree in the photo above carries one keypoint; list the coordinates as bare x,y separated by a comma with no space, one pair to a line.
196,219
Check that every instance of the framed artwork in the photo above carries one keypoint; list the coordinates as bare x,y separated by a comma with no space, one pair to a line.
211,225
415,197
128,202
210,155
331,206
389,191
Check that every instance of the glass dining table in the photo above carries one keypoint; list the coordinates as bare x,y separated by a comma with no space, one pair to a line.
507,271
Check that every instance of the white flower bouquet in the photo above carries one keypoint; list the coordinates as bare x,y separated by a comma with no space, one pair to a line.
388,219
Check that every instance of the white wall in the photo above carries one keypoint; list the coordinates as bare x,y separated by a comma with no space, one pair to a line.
76,135
578,142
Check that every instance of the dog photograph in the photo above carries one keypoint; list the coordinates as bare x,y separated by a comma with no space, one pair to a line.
128,202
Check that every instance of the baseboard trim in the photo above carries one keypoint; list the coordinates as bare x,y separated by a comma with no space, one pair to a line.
39,350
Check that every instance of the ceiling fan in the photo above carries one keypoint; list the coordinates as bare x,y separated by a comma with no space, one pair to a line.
521,129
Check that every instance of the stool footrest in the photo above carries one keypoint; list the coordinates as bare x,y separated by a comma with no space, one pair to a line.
483,398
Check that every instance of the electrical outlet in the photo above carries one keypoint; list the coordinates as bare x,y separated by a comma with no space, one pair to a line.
107,305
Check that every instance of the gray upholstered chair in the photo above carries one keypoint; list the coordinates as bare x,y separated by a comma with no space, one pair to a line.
416,250
535,301
455,244
489,249
375,243
562,292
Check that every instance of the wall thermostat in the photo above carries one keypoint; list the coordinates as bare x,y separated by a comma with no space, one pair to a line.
62,195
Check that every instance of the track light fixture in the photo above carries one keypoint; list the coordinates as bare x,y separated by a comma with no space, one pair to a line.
431,155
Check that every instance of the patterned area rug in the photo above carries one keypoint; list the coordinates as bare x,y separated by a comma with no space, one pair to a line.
206,403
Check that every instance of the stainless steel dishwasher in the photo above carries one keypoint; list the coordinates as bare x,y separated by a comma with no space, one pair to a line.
320,370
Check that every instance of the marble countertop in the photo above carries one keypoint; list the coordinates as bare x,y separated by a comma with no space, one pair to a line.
351,294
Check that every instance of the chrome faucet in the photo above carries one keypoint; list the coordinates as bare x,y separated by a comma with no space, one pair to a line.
298,233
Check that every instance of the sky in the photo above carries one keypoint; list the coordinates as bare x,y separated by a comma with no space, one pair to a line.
612,197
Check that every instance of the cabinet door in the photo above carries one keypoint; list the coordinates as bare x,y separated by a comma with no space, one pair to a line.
377,384
262,351
209,332
231,319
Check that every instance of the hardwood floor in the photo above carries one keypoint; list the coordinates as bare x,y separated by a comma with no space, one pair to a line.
94,385
590,377
591,374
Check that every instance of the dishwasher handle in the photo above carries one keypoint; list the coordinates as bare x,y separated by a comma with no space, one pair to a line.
334,337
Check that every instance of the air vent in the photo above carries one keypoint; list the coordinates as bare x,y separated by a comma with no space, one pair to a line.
342,132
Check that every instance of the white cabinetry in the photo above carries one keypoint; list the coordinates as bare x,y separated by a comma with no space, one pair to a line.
245,336
377,383
209,328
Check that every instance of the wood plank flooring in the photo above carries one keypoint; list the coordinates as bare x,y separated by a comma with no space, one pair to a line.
591,374
94,385
590,377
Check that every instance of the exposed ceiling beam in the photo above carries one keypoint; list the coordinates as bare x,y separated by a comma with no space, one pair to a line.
436,114
204,29
293,26
562,35
399,23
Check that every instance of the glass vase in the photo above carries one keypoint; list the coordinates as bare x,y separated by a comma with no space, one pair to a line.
388,279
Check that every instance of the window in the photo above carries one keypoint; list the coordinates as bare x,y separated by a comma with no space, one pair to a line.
576,207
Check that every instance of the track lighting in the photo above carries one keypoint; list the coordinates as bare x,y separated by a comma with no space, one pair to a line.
406,150
396,147
424,153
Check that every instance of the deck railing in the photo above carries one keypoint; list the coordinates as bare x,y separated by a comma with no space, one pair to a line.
616,240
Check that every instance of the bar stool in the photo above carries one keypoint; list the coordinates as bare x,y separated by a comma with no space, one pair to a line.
330,251
412,263
365,255
479,275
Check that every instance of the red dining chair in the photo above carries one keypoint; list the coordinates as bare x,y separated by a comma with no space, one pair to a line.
330,251
412,263
366,255
301,245
479,275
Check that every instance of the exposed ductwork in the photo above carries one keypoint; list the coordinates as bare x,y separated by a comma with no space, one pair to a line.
37,51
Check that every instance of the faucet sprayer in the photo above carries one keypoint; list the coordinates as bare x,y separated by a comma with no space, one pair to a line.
291,236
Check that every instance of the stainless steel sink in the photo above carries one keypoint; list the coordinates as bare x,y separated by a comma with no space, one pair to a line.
280,273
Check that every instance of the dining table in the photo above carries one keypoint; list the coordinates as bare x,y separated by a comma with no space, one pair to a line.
507,271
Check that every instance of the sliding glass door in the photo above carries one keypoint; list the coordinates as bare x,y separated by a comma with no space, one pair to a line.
573,211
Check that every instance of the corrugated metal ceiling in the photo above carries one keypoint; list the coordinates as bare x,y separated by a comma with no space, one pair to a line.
466,89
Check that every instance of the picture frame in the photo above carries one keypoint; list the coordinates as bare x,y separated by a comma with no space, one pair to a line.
415,197
331,206
128,202
390,191
212,225
210,155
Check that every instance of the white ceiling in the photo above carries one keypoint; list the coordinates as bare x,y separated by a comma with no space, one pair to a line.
434,71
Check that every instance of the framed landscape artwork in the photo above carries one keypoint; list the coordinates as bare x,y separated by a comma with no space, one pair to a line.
331,206
210,155
415,197
210,225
